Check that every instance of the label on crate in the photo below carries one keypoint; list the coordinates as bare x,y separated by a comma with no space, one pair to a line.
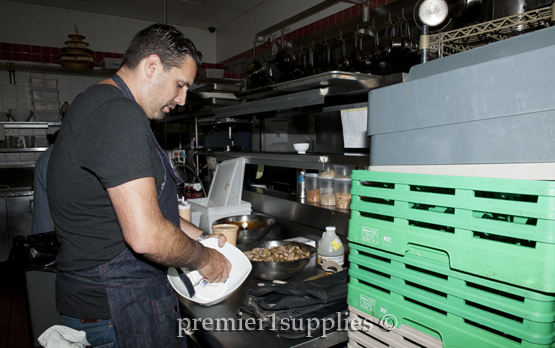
370,235
386,240
367,303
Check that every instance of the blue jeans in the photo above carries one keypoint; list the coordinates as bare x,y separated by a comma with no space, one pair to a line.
99,335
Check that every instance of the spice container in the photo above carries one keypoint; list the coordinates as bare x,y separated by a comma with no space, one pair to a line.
327,194
327,172
342,193
312,188
343,172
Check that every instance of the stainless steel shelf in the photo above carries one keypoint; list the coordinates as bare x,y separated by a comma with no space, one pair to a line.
29,149
473,36
56,69
292,160
288,101
29,125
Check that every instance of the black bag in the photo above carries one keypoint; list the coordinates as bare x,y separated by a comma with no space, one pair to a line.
300,309
35,250
217,139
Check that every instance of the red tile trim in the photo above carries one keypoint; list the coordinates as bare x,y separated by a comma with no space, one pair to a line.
45,54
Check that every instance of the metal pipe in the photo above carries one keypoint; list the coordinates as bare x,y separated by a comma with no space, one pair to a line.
424,43
180,131
366,11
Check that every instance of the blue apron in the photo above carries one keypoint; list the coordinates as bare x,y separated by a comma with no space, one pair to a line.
143,305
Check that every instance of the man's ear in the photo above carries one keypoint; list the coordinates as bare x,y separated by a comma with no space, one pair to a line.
152,65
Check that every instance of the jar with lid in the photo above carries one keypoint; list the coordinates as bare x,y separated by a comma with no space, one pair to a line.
312,188
327,193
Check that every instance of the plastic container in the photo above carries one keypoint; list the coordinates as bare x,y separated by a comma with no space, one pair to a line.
331,248
327,192
312,188
228,230
481,223
210,214
42,93
184,209
46,116
46,105
328,171
342,172
44,82
342,189
423,275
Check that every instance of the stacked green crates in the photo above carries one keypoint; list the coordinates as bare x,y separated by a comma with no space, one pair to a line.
468,260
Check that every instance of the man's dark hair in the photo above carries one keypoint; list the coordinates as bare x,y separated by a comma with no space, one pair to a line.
171,45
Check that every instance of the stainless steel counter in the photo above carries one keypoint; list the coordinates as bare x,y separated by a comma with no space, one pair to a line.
240,339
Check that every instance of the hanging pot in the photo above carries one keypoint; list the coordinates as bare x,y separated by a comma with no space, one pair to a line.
358,58
344,62
383,50
466,11
256,72
285,60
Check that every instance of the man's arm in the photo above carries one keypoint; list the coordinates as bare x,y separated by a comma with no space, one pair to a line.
148,233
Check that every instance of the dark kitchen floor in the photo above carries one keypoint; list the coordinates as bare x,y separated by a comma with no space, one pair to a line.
15,330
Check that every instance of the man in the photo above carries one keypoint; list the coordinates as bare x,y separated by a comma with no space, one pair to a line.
113,201
41,212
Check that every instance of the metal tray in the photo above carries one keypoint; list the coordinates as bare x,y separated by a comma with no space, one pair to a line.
323,80
206,95
219,87
218,102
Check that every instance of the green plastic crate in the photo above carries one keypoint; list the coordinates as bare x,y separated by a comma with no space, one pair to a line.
395,212
454,331
425,277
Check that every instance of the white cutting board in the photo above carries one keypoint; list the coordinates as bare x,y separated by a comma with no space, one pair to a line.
227,185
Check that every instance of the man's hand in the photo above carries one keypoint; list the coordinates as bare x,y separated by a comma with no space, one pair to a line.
217,268
221,239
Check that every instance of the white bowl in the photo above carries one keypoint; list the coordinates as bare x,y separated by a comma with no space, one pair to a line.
21,115
301,147
211,295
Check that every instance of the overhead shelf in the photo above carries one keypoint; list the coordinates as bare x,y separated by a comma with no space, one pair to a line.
292,160
473,36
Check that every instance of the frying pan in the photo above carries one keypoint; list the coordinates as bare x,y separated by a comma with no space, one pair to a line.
256,71
285,60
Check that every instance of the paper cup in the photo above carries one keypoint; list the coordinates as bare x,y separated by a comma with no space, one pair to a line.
228,230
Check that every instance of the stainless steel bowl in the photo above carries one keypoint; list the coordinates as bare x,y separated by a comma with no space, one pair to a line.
251,233
277,270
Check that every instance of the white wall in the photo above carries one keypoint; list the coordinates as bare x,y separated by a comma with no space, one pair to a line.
30,24
238,36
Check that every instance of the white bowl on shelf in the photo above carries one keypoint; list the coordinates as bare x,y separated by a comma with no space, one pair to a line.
20,115
301,147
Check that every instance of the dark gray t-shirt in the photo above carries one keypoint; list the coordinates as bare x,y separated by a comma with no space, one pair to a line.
105,141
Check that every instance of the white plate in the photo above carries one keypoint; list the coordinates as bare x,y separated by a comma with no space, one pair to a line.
211,295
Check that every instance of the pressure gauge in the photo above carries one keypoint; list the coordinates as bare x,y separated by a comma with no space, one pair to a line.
432,13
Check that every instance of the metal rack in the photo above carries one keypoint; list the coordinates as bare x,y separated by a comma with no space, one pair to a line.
459,40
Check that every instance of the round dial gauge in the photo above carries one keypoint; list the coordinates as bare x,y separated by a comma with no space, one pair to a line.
433,12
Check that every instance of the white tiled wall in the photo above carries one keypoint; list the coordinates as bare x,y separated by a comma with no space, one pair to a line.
30,24
19,95
238,36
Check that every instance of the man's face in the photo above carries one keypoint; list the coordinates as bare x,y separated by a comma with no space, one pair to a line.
170,89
